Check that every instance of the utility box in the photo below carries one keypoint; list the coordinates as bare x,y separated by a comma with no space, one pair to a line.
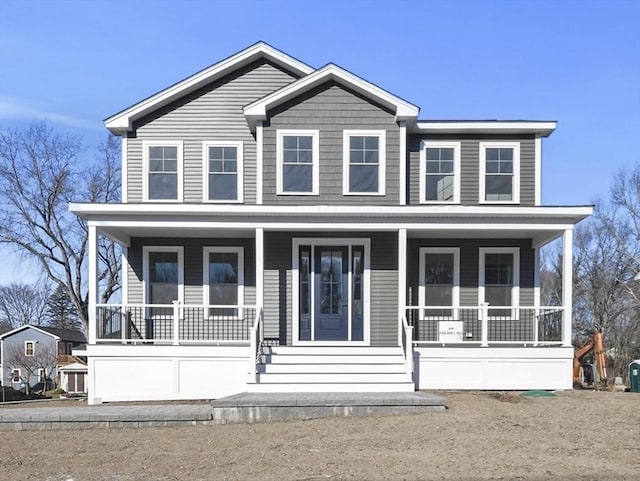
634,375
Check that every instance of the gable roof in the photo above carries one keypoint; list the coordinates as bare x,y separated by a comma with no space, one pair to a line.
404,111
58,334
123,120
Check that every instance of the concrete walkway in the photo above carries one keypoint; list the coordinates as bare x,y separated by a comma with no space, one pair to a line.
240,408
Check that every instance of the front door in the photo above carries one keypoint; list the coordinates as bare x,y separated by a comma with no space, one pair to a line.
331,296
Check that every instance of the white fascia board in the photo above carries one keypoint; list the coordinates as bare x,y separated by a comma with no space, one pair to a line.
90,210
404,110
122,121
27,326
543,128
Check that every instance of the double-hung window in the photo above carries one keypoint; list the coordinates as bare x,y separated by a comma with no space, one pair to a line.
224,278
223,171
163,171
499,172
29,348
297,162
364,162
440,172
439,279
16,374
499,278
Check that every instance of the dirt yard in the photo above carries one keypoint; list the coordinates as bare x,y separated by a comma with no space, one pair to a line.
580,435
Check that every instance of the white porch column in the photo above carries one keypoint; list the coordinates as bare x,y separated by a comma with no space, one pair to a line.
93,281
259,268
567,285
402,278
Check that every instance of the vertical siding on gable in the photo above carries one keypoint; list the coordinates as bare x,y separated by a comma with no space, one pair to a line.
212,113
332,109
470,166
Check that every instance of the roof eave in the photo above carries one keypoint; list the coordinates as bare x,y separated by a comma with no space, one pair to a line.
544,128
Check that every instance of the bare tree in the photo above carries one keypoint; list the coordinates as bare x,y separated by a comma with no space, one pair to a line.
41,171
44,357
23,304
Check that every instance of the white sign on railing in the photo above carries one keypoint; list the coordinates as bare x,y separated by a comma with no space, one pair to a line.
450,331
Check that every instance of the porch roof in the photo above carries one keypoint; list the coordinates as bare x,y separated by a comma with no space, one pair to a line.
121,222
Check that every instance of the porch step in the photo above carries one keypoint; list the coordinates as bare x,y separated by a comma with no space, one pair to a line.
331,369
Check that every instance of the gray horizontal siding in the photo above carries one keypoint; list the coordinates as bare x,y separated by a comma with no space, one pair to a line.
469,265
470,165
17,342
209,114
193,272
331,109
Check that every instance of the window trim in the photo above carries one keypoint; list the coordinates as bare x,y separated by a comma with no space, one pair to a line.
145,269
315,160
515,289
145,168
346,159
33,348
205,270
515,179
13,371
457,148
422,288
239,174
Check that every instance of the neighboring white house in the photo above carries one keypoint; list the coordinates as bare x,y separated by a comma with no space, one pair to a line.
287,228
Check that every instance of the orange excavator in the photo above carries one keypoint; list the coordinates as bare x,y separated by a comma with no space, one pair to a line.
588,376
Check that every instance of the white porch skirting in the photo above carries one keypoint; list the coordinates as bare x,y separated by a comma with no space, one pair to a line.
499,368
153,373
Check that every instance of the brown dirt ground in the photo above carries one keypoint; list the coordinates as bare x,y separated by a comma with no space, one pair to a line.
576,435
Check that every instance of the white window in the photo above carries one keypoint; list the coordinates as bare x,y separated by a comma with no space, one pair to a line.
499,172
41,375
223,171
29,348
163,171
499,278
164,276
224,278
15,375
297,162
440,172
364,162
439,279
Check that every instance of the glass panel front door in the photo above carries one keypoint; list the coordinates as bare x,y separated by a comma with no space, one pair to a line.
331,293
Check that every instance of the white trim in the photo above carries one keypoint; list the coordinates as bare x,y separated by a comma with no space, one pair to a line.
538,170
402,109
456,146
33,348
259,162
14,369
403,164
455,291
536,276
145,269
315,159
346,160
28,326
259,240
124,272
402,279
124,169
145,168
206,250
94,282
123,121
515,179
515,289
544,128
349,242
567,285
239,171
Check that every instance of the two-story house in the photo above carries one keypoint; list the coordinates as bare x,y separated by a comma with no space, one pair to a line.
288,229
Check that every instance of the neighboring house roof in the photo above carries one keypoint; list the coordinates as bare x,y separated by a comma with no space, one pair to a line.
75,367
123,120
59,334
403,110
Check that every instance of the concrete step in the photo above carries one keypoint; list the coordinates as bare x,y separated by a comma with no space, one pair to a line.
330,387
318,367
331,377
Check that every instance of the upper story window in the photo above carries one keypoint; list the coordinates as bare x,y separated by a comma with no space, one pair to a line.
440,172
163,171
364,162
29,348
223,171
499,172
297,162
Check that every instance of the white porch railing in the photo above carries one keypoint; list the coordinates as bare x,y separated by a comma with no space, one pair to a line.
486,325
174,324
256,338
407,346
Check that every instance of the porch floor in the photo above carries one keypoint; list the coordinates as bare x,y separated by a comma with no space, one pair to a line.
265,407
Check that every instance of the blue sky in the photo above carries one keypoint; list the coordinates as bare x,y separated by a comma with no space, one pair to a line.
76,62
